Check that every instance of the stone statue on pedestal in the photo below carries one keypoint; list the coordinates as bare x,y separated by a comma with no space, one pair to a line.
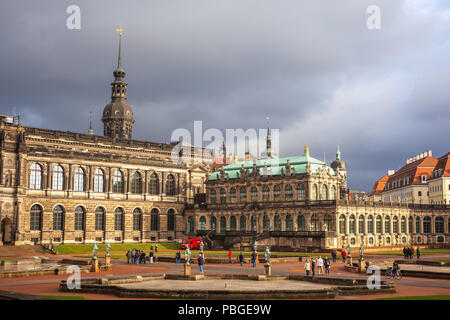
95,251
202,245
108,248
255,246
361,252
267,256
187,256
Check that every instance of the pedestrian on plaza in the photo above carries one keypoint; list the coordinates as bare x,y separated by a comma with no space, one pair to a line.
405,254
320,266
151,256
344,255
136,257
128,256
313,267
418,253
307,267
334,254
254,257
412,253
143,257
241,259
133,254
177,257
230,256
326,263
200,262
156,248
151,247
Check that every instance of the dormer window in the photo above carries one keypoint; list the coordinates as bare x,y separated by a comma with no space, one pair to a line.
423,178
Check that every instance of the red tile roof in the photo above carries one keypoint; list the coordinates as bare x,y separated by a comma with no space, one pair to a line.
443,165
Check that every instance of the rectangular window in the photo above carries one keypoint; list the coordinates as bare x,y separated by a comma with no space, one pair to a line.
420,193
78,239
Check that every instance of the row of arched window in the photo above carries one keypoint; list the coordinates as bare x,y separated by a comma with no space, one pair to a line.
397,226
36,214
79,181
278,193
279,223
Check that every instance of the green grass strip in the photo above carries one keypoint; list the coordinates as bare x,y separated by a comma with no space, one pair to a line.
435,297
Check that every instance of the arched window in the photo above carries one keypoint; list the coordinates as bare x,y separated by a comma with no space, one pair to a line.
190,224
418,225
439,225
100,218
170,185
254,194
277,192
154,220
154,184
351,224
233,195
242,194
78,179
118,182
403,224
171,220
440,239
58,178
288,192
328,221
289,223
410,224
99,178
314,192
212,196
333,193
342,224
213,223
223,224
370,224
223,195
58,217
253,223
378,224
137,219
301,224
36,217
79,218
301,195
266,193
242,223
387,225
233,223
315,223
324,192
118,219
427,225
361,224
395,225
136,183
35,176
202,223
277,223
266,224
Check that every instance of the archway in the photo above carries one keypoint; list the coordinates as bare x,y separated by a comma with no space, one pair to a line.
6,229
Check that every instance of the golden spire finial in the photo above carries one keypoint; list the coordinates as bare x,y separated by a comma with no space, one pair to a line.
306,150
120,30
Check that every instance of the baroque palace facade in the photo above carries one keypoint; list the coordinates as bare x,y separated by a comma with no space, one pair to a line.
70,187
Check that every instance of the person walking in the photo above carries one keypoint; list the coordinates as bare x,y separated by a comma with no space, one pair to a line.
136,257
177,257
344,255
307,267
405,254
133,254
326,263
313,267
241,259
156,248
333,255
230,256
254,256
200,262
151,256
128,256
418,252
412,253
320,266
151,247
143,256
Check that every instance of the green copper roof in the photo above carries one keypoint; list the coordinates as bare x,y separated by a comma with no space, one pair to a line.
274,166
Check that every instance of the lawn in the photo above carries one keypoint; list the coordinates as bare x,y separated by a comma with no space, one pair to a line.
87,248
8,259
437,297
64,297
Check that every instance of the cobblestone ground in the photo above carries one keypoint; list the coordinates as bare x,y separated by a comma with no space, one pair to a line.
48,285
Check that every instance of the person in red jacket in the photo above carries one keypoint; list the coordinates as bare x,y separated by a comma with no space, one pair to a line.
230,255
344,255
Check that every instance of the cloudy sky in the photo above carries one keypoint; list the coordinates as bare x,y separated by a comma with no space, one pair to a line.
313,67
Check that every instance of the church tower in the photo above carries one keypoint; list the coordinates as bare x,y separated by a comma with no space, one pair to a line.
118,116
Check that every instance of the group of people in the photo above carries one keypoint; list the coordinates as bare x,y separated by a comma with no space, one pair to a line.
408,252
311,264
137,256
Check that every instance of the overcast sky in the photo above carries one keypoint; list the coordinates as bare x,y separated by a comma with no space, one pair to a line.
313,67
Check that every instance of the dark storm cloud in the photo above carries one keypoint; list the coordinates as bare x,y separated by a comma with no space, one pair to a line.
312,66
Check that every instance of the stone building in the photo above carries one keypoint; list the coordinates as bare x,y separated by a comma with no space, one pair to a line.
71,187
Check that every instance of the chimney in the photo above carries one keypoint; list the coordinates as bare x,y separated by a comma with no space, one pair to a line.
429,153
247,156
391,172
